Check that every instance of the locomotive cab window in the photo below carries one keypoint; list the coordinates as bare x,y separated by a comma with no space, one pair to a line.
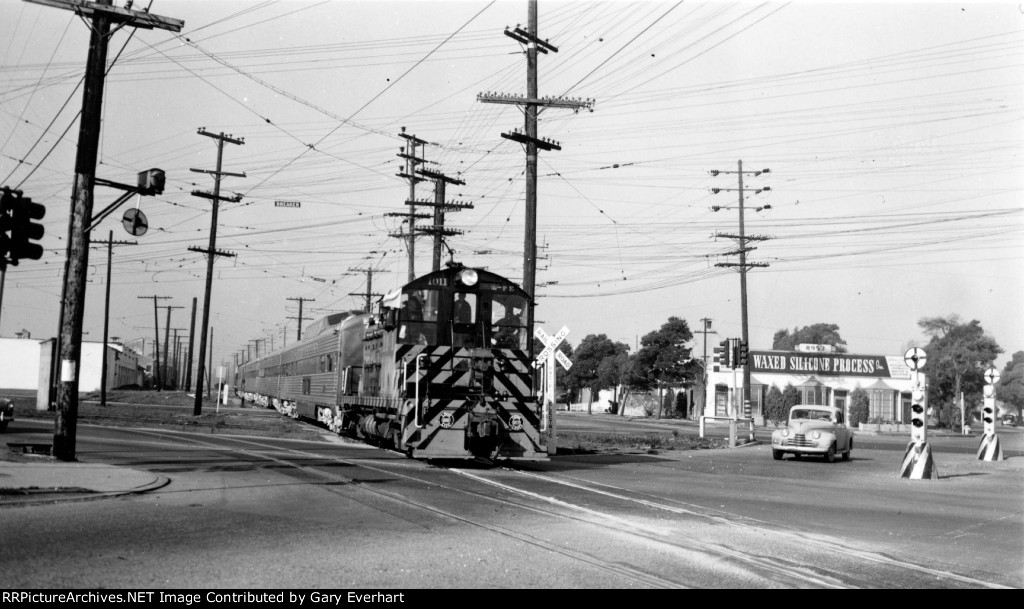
418,317
508,321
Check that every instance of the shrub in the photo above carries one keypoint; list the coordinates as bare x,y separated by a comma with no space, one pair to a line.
775,407
858,407
681,405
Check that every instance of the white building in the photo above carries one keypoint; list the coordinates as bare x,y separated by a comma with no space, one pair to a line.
25,363
820,377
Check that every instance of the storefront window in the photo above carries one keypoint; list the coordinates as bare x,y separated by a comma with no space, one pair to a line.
882,405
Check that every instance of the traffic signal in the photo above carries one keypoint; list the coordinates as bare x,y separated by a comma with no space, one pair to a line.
742,355
6,222
918,416
988,410
723,352
151,181
25,232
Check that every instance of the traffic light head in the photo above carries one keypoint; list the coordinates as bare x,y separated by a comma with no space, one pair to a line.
918,416
6,222
743,352
727,358
25,232
151,181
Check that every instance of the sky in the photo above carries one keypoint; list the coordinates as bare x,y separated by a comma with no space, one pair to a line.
892,131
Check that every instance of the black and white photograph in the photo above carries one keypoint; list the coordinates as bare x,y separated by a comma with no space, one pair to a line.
354,301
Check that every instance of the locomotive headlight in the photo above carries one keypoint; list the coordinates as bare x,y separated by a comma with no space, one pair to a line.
468,277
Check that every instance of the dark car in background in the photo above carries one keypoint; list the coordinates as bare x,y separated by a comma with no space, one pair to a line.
6,413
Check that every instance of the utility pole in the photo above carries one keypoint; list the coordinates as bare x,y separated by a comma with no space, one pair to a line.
156,338
173,377
211,252
167,340
411,161
532,103
191,335
102,15
368,294
106,313
438,230
298,335
742,239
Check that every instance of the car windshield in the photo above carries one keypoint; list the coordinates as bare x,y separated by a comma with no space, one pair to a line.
813,415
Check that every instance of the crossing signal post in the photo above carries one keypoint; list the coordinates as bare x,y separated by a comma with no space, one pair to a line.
989,449
917,460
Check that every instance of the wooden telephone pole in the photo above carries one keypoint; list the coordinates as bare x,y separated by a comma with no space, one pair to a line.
106,313
298,335
211,252
102,14
532,103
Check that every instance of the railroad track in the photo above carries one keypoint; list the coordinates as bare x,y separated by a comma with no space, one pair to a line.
748,552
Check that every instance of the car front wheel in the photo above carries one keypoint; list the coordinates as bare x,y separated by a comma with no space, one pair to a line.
849,452
830,456
776,454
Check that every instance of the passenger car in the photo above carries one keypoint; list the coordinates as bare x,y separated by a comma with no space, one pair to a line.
6,413
814,430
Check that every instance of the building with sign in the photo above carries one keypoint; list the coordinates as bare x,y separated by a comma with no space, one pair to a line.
820,376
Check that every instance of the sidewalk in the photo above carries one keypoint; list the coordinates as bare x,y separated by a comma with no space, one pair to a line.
30,479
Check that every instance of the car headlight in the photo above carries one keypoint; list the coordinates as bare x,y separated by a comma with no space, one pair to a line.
816,434
785,433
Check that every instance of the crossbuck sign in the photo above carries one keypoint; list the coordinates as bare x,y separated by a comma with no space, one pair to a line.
550,345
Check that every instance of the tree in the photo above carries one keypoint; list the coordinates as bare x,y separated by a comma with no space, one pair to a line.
1010,389
775,406
958,355
590,370
664,358
816,334
859,407
790,397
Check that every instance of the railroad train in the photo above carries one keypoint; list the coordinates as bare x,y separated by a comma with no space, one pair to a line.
441,369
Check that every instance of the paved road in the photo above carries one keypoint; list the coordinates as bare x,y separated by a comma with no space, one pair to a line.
256,512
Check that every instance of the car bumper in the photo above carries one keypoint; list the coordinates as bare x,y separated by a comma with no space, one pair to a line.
813,447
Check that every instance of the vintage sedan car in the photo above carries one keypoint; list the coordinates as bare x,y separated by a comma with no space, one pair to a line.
814,430
6,413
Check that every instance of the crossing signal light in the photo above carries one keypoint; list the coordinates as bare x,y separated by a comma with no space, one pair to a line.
918,414
719,358
24,231
988,411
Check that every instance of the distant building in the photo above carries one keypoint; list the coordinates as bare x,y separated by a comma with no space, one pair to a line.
25,364
822,378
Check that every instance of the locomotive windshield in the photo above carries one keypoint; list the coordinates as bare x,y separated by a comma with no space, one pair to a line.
442,310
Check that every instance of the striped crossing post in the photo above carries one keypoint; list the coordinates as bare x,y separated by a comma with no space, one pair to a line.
989,449
918,463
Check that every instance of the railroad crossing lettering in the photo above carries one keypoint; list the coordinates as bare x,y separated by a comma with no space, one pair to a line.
550,344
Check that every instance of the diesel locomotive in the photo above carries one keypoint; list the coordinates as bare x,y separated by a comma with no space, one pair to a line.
441,369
